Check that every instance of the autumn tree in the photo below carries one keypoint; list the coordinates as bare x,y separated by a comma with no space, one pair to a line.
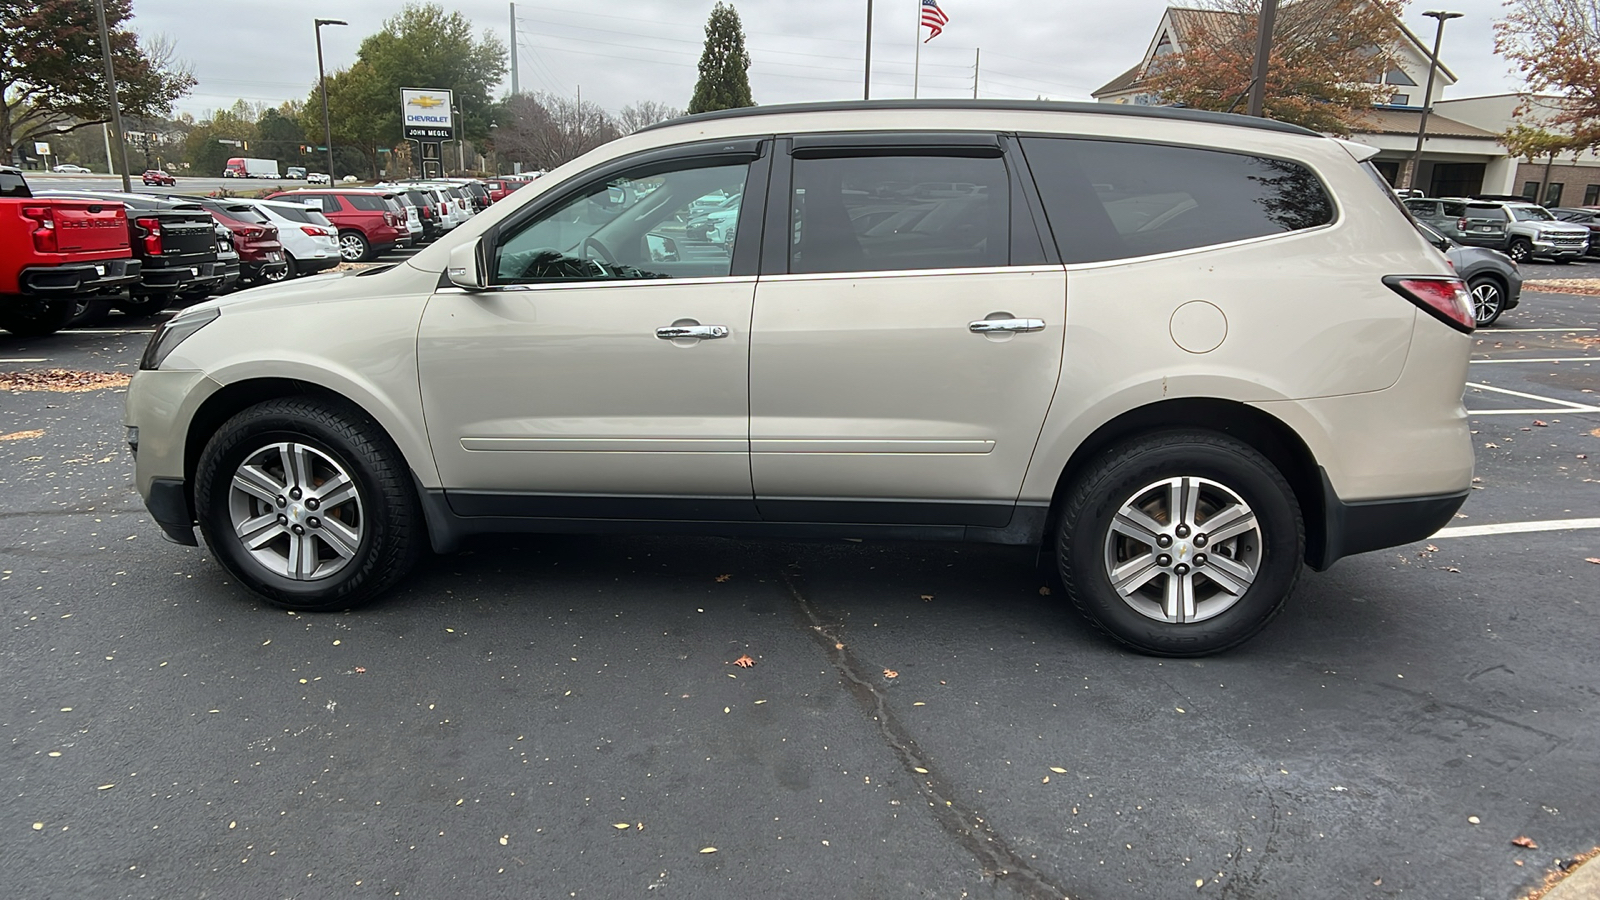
724,65
1556,44
542,131
1326,69
53,80
643,114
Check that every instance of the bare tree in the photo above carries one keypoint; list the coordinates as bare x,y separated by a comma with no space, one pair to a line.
645,113
543,131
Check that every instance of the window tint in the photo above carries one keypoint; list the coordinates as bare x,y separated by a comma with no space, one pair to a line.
1531,214
1454,208
1483,211
1591,194
1422,207
12,185
876,213
366,202
290,213
1113,200
643,226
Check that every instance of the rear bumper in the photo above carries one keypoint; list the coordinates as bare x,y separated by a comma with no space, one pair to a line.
257,269
179,277
1363,525
79,278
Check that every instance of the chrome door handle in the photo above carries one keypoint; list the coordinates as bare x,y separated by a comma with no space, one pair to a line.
1003,326
706,332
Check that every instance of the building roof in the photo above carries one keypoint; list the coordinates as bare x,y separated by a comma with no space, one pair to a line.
1405,121
1122,82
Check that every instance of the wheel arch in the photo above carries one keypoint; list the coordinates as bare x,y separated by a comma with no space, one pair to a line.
1266,433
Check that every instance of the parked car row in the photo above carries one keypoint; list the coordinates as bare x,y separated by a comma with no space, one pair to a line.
1521,229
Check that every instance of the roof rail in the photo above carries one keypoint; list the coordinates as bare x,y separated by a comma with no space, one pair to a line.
1105,109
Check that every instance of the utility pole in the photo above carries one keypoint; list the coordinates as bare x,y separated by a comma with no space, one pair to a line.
111,94
977,54
515,88
1258,86
322,79
866,87
1427,92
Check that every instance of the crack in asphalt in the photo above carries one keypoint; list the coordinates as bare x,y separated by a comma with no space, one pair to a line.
963,823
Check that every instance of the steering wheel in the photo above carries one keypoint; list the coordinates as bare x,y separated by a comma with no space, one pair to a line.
599,251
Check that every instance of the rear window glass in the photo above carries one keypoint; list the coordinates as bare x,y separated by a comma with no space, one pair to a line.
292,214
12,185
366,202
1422,207
1479,211
1115,200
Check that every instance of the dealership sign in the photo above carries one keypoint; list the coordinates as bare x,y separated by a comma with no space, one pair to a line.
426,115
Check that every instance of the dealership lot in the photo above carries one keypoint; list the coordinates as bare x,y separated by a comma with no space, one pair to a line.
491,728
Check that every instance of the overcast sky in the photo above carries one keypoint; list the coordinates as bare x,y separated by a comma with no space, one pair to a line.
622,51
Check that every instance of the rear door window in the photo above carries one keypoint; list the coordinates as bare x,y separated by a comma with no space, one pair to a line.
1116,200
365,202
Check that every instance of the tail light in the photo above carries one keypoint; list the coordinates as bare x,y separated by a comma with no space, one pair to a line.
1446,299
152,234
313,230
44,228
1461,224
427,212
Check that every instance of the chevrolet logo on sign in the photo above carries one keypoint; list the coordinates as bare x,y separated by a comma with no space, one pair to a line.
426,102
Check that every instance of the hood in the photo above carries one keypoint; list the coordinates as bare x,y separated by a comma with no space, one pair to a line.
330,287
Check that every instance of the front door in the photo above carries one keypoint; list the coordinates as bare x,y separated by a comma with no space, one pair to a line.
904,357
604,372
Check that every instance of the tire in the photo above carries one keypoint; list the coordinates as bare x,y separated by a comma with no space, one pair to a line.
145,304
353,246
291,268
242,473
280,275
1142,478
25,317
1488,300
1520,250
89,311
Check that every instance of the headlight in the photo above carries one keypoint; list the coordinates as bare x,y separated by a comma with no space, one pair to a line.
174,331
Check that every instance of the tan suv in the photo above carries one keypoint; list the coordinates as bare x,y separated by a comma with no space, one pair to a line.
1181,351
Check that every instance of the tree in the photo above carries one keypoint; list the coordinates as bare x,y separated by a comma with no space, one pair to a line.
1328,60
542,131
724,65
1531,143
52,77
644,113
1556,44
422,47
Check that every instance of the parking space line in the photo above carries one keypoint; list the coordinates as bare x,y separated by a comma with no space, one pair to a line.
1553,359
1517,528
1568,404
1504,330
28,360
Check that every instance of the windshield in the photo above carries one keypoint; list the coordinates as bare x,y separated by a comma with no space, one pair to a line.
1531,214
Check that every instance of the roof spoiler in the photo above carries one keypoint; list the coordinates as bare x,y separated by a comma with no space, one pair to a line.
1361,152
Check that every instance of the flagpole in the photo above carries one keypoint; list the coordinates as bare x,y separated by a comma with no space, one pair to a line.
916,67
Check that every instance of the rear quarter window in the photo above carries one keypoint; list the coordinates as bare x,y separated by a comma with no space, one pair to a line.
365,202
12,185
1116,200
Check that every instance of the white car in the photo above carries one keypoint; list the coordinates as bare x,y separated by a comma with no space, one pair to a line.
310,241
71,169
453,206
318,178
1260,368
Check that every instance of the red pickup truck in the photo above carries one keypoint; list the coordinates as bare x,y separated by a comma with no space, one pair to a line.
54,251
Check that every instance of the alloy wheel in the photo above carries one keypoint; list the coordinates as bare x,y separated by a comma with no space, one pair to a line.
1183,550
1485,302
296,511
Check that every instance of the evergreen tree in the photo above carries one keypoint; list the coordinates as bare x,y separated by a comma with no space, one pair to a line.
724,80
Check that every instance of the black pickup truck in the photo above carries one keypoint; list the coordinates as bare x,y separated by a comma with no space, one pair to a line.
176,242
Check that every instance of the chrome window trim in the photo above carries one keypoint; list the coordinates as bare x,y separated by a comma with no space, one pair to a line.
908,273
601,283
1190,251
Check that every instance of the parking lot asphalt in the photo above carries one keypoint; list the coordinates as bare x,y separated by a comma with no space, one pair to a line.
561,716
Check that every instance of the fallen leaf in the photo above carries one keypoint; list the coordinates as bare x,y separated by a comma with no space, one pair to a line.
21,435
1451,569
744,662
723,578
1592,559
1539,423
621,826
38,826
919,770
505,839
838,646
1199,882
1058,770
1493,446
1045,780
1524,841
65,381
708,849
919,703
361,670
1431,549
927,597
1473,819
105,787
890,673
1044,591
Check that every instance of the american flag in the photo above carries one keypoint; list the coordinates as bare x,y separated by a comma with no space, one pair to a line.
933,18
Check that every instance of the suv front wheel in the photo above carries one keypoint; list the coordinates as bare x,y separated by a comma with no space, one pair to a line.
308,503
353,246
1180,543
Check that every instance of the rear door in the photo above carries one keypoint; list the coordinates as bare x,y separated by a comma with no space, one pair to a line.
906,341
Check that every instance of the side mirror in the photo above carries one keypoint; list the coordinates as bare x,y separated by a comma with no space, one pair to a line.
465,268
662,248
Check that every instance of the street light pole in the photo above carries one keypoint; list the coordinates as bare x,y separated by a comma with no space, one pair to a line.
1258,86
322,79
1427,92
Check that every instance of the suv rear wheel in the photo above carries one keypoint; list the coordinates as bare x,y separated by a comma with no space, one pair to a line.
1180,543
308,503
352,246
1488,300
27,317
1520,250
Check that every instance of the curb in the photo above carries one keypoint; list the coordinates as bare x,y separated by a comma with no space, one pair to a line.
1581,883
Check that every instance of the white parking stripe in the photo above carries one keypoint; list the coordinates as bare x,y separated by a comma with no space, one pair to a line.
1517,527
1576,407
1505,330
39,359
1557,359
1533,412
